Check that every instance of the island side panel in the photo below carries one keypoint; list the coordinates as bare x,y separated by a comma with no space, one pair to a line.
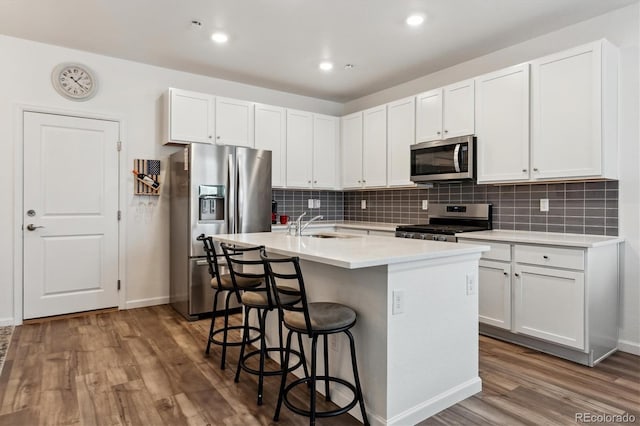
433,344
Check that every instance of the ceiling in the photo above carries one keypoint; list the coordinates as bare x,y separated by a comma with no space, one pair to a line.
279,43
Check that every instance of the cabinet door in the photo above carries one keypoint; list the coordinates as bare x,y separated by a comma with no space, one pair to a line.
299,148
234,122
270,134
549,304
190,117
566,102
401,127
494,293
458,109
502,127
374,147
429,116
325,151
352,150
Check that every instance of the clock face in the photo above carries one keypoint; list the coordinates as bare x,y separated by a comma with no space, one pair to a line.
74,81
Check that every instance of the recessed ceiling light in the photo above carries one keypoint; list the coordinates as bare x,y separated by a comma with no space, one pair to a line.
219,37
415,20
349,66
196,24
326,66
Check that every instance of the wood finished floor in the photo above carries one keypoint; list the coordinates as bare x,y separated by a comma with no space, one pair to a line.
146,367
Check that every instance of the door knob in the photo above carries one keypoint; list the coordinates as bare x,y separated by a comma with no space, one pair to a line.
32,227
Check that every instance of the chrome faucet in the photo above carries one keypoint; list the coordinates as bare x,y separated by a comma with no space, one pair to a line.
294,227
319,217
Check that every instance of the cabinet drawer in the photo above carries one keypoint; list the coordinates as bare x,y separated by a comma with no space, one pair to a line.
550,256
499,251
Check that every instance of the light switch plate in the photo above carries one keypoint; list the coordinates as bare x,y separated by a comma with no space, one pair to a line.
310,203
425,204
316,204
398,302
363,204
544,204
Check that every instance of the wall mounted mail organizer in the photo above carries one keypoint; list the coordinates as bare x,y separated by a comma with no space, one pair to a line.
146,174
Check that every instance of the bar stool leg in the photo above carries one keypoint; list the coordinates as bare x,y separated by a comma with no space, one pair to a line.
327,395
226,328
283,381
304,359
213,320
262,318
312,408
245,340
356,377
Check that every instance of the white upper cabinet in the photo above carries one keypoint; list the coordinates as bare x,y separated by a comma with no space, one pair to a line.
270,134
429,116
374,147
352,150
446,112
234,122
502,125
574,113
326,137
189,117
299,148
400,136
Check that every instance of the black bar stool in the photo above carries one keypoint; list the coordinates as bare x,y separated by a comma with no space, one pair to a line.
260,299
222,283
314,320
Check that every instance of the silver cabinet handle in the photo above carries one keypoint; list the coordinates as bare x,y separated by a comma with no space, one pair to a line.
359,181
446,131
438,133
535,170
505,274
517,275
545,257
308,181
524,170
32,227
210,137
315,181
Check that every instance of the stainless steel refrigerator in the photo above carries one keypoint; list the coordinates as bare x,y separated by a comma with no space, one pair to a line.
215,189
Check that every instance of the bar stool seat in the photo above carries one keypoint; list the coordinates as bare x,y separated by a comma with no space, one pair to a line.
324,316
260,300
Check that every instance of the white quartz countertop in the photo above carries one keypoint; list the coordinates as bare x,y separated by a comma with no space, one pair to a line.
378,226
548,238
353,252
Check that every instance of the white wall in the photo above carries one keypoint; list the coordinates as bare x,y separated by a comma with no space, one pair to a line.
132,92
621,28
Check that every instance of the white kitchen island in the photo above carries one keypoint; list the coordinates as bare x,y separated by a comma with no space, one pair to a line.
415,357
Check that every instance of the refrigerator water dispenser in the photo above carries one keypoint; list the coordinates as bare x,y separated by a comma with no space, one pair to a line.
211,202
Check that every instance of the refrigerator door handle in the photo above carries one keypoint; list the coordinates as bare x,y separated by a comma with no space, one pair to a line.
236,200
231,204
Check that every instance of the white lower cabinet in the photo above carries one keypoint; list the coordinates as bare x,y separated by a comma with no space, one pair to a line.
558,299
549,304
494,294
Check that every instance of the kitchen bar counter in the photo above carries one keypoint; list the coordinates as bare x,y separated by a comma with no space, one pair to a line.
377,226
416,356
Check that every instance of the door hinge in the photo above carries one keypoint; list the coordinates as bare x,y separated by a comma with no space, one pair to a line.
119,146
118,284
119,214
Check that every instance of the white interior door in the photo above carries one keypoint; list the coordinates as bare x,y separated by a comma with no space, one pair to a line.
70,235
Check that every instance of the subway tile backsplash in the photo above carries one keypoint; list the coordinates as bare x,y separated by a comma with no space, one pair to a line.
574,207
293,202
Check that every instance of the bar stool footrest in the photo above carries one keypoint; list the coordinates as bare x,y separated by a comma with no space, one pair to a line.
329,413
277,372
213,340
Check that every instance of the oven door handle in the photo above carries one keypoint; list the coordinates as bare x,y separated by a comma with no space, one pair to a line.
456,156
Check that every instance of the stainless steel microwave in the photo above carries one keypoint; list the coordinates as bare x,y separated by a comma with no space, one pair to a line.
449,159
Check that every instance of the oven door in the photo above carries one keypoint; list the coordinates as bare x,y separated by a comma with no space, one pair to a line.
450,159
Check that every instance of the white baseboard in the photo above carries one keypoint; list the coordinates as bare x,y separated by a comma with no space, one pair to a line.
437,403
143,303
6,321
630,347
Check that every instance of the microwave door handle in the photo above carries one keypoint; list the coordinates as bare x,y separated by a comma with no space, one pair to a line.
456,158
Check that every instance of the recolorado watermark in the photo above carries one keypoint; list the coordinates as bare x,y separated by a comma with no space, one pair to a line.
604,418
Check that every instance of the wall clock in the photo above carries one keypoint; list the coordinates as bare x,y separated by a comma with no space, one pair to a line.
74,81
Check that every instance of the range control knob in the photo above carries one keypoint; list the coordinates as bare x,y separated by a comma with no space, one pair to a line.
442,238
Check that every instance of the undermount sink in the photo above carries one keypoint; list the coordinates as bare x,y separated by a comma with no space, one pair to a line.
330,236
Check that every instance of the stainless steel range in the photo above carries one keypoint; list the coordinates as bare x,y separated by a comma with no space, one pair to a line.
446,220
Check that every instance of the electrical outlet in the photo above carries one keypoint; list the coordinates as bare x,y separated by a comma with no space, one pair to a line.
398,302
363,204
310,203
472,288
544,204
425,204
316,204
